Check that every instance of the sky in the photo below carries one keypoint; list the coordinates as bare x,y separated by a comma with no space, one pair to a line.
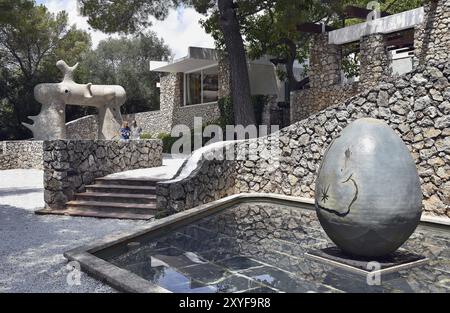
179,30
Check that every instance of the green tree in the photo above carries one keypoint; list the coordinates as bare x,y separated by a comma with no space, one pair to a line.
132,16
274,30
125,62
30,45
8,10
269,26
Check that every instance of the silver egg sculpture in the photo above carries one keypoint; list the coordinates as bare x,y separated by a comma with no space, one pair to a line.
368,197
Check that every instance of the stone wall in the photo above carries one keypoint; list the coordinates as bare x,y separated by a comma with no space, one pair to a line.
432,40
70,165
159,121
325,75
151,122
308,101
25,154
211,180
185,115
416,106
374,60
325,63
83,128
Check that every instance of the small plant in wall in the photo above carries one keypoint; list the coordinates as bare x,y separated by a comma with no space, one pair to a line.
146,136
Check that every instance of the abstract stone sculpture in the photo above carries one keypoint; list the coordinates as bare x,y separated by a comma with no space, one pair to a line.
368,197
51,121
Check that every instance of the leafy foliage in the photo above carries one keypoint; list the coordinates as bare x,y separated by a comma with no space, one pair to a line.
126,16
133,16
125,62
270,27
146,136
31,38
168,141
31,41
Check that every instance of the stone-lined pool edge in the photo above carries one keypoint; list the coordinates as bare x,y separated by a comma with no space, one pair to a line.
127,281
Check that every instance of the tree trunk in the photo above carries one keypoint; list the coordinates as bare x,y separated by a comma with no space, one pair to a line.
242,104
294,84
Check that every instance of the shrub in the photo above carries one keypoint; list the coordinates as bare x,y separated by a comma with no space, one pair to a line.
226,111
168,141
146,136
227,114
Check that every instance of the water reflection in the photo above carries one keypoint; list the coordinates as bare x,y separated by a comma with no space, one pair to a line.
260,247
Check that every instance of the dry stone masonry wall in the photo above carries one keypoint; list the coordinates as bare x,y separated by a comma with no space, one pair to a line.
374,58
212,180
325,63
308,101
209,113
21,155
70,165
416,106
83,128
325,75
432,40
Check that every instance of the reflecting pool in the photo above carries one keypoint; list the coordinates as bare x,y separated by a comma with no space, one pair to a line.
260,247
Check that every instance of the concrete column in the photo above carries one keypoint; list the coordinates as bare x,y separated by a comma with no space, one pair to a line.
325,62
374,59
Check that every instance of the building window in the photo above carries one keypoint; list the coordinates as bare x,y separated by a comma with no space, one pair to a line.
201,86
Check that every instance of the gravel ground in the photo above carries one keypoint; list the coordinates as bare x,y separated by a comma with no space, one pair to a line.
32,246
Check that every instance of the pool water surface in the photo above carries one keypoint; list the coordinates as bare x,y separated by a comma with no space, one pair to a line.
260,248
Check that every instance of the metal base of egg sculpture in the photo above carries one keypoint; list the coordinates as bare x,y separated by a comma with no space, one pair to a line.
368,197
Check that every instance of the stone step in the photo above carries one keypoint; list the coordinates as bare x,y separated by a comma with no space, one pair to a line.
124,189
116,197
135,208
98,213
125,181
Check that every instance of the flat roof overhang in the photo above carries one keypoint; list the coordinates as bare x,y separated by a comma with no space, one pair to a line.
197,58
389,24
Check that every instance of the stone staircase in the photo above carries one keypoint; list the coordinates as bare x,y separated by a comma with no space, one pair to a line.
116,198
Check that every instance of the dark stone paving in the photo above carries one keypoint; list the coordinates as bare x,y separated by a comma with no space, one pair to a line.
260,248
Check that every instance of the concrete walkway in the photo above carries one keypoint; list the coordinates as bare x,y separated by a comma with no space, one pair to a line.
171,165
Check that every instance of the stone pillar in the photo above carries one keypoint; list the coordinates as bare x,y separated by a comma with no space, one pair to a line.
224,77
432,38
325,62
374,59
171,90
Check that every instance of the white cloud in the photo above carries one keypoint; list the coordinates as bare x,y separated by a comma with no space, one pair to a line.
71,7
179,30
